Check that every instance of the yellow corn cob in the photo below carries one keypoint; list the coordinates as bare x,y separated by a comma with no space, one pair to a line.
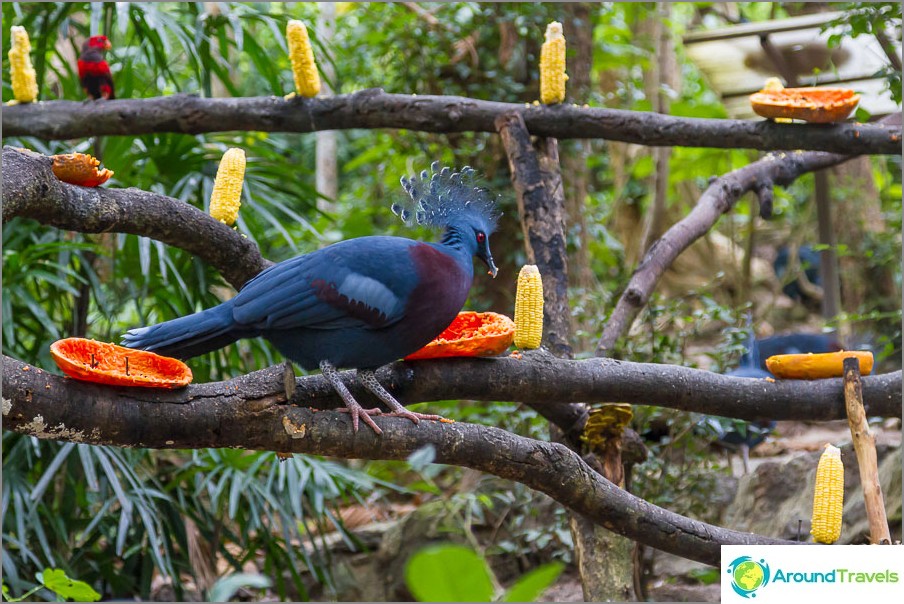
828,497
307,80
552,65
227,188
529,308
22,74
773,84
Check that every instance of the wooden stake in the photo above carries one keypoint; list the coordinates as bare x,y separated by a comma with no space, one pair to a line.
865,448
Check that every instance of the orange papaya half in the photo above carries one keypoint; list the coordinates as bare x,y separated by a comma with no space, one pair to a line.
104,363
817,105
816,366
471,334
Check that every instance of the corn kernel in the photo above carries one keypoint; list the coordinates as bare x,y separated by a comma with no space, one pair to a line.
529,308
226,198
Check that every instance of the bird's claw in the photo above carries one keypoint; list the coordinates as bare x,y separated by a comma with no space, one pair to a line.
356,412
413,416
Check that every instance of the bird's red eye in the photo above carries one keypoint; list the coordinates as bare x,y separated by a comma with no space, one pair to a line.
481,237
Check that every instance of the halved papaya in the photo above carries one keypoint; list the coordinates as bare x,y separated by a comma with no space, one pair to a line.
471,334
104,363
79,169
818,105
816,366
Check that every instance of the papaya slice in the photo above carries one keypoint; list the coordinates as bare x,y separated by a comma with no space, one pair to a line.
104,363
817,105
471,334
816,366
79,169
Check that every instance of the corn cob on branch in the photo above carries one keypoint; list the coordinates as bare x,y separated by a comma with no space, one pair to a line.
828,497
226,198
304,68
529,308
22,73
552,65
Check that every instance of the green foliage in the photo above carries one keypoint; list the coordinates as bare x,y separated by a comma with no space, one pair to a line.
449,573
57,582
112,516
455,573
874,19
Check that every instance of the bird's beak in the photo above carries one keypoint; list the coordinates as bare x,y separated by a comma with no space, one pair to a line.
492,266
107,45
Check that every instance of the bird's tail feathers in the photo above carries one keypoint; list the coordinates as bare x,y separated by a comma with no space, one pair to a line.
188,336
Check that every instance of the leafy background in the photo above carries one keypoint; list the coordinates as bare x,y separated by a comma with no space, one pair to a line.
128,521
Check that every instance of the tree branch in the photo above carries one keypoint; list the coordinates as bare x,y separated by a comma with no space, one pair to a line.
719,198
375,108
240,413
31,190
538,379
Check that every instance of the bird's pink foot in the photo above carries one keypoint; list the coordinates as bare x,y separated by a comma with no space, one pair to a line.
413,416
359,411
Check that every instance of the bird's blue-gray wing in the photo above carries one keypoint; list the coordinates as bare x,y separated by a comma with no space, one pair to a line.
319,291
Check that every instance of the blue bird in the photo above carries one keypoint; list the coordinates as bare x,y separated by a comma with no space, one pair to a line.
792,343
746,435
359,303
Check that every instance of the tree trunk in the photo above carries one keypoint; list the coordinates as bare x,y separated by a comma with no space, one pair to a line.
662,73
858,214
327,172
574,154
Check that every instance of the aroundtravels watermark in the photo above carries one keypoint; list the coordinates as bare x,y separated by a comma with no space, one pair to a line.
779,572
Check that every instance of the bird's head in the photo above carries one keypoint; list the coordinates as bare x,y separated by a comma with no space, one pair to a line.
450,200
99,42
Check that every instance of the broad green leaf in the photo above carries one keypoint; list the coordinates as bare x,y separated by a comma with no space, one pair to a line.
532,585
71,589
448,573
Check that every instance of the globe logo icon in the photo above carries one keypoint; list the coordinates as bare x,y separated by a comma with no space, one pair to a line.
748,575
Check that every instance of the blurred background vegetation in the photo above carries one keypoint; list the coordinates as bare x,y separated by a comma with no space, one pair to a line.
167,523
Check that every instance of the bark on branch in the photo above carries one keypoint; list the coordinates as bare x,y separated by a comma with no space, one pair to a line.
243,413
375,108
719,198
31,190
538,379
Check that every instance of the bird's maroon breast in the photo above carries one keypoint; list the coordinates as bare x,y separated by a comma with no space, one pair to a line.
443,283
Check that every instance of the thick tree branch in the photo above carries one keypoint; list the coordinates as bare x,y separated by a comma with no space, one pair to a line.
31,190
241,414
538,379
719,198
375,108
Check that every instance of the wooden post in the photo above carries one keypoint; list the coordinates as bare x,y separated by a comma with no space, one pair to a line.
865,448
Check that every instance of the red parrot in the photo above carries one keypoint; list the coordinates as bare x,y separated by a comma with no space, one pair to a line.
93,71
